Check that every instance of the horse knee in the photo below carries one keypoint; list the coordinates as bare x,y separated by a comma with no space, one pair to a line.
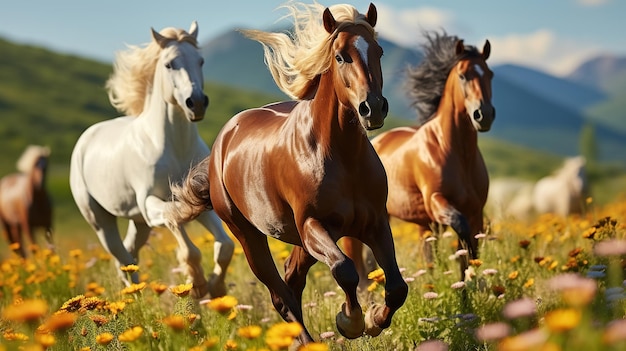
345,274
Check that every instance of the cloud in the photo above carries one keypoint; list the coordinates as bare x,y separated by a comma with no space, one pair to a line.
540,50
405,26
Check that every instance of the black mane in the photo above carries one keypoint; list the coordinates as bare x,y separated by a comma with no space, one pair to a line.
425,82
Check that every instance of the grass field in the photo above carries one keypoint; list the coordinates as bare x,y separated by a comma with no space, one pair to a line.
550,284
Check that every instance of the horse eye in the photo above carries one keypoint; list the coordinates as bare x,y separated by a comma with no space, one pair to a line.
339,58
202,62
168,65
462,77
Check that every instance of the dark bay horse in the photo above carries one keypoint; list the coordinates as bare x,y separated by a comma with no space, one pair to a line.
436,172
304,172
24,201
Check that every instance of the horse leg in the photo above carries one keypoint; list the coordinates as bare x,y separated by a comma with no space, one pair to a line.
15,236
285,301
297,266
378,317
137,235
322,247
354,250
223,249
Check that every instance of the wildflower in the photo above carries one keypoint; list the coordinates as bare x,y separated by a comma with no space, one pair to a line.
91,303
529,340
476,262
249,332
430,295
493,332
498,290
431,239
610,248
513,275
131,268
210,342
377,275
562,319
244,307
614,332
27,310
230,345
523,307
530,282
11,336
314,346
158,288
45,340
131,334
458,285
372,286
104,338
432,345
281,335
116,307
59,321
99,319
460,253
589,233
524,244
490,271
327,335
575,290
133,288
222,304
181,290
175,322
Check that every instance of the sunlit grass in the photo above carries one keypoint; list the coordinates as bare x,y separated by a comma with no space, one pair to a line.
551,284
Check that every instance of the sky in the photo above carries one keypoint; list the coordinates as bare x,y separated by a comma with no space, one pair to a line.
553,36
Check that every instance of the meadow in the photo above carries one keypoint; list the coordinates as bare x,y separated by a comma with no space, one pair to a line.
549,284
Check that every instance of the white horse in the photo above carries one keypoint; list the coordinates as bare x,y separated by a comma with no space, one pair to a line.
562,193
124,167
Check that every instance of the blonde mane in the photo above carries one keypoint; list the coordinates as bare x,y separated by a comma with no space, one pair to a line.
133,72
295,60
29,157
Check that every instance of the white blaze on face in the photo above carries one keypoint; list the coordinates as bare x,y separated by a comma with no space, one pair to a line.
361,46
479,70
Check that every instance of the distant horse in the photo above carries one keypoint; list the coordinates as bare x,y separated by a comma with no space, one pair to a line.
304,172
24,200
510,197
436,172
123,167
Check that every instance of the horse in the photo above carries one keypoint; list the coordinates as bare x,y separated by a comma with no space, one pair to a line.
123,167
562,193
303,171
435,171
25,204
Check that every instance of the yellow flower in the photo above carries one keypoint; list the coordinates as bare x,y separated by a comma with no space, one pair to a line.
11,336
99,319
91,303
131,268
116,307
230,345
249,332
75,253
59,321
28,310
372,286
513,275
562,319
175,322
377,275
15,246
530,282
158,288
210,342
104,338
131,334
475,262
314,346
72,304
45,340
181,290
134,288
222,304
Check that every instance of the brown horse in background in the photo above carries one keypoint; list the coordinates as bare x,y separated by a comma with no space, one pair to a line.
304,172
436,172
24,201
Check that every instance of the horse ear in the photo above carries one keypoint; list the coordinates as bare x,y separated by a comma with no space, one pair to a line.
161,40
486,50
460,47
372,15
329,21
193,30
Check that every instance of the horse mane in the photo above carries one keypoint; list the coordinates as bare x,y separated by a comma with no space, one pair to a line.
29,157
133,72
296,59
426,82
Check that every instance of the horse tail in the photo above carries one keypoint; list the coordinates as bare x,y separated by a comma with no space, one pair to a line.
190,198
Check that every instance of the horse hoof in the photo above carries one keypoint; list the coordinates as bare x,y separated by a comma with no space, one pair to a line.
216,286
350,327
371,328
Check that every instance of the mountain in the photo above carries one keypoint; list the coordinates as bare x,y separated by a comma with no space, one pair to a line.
533,109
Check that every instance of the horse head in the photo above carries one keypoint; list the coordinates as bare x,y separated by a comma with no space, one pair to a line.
475,77
356,68
180,67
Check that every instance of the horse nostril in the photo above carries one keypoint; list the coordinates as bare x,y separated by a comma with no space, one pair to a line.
364,109
206,101
189,103
478,116
385,108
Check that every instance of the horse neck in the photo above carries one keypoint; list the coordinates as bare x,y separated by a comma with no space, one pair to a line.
457,130
37,177
335,126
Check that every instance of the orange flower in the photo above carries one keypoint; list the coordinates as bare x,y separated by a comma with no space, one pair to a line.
134,288
59,321
181,290
175,322
131,268
222,304
377,275
99,319
158,288
281,335
314,346
513,275
249,332
230,345
104,338
131,334
562,319
26,311
530,282
45,340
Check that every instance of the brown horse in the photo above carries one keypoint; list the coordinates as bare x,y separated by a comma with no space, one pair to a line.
436,172
304,172
24,200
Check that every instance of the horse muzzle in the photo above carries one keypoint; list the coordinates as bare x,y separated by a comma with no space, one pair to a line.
483,117
197,107
372,111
